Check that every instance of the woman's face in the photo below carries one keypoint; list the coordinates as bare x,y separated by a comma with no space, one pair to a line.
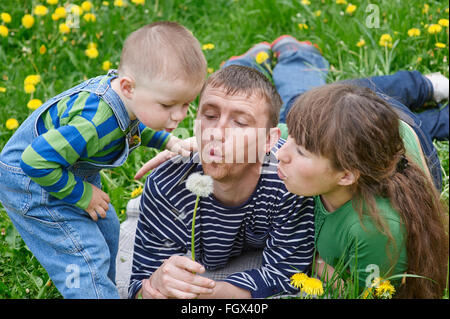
304,173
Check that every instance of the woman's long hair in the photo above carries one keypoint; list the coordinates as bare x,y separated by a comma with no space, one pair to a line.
359,132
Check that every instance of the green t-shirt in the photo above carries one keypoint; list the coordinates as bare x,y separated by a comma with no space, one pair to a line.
343,243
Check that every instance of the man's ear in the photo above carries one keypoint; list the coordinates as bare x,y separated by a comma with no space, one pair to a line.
348,178
127,85
272,138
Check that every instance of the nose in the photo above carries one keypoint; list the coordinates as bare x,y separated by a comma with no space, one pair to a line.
179,113
282,154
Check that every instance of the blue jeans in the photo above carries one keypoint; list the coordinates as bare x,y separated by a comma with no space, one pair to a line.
299,71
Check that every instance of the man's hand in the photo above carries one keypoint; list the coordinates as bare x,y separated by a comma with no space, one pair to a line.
177,278
99,204
174,147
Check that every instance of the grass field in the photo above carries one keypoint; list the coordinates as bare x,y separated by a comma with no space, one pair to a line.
65,50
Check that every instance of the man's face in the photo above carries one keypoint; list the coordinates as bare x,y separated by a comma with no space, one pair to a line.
231,132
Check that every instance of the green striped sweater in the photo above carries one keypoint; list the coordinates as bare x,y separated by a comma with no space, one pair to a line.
80,127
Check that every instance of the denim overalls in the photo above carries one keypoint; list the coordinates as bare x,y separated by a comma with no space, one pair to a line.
78,253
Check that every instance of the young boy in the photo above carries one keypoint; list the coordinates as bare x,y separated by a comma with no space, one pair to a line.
49,169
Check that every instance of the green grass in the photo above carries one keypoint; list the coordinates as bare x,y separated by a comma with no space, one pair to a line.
232,26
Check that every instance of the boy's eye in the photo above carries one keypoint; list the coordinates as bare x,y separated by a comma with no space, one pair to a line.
165,105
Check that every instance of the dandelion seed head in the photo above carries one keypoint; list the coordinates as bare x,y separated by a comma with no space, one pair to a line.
200,185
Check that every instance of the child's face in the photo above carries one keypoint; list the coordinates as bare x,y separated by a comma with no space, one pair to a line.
162,104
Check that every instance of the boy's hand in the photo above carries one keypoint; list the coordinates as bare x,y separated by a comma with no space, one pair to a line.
99,204
154,163
182,147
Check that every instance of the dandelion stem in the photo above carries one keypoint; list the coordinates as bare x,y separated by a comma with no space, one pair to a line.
193,229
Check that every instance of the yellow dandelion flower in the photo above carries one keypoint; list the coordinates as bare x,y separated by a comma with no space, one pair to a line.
312,287
40,10
306,2
29,88
341,2
28,21
440,45
2,89
42,49
425,9
64,28
350,9
52,1
318,13
368,292
141,2
385,40
303,26
208,46
86,5
106,65
434,28
34,104
105,3
443,22
4,31
385,290
118,3
298,279
12,124
76,10
89,17
60,12
136,192
261,57
32,79
6,17
210,70
91,53
413,32
361,43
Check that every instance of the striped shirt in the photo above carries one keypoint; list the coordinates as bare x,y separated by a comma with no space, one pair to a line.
80,127
272,218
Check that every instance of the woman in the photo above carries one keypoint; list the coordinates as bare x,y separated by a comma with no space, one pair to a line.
375,203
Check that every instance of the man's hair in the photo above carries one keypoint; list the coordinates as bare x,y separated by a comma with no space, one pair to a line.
237,79
163,49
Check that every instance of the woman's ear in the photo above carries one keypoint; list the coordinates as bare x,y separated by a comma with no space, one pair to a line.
348,178
127,85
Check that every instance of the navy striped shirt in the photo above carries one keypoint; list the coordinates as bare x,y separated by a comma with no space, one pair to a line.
272,218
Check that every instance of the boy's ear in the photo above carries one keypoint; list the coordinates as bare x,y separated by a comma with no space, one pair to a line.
348,178
127,85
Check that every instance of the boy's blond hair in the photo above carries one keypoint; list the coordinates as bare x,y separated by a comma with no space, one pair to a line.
163,49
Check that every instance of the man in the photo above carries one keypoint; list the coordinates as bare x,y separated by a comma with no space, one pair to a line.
250,207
